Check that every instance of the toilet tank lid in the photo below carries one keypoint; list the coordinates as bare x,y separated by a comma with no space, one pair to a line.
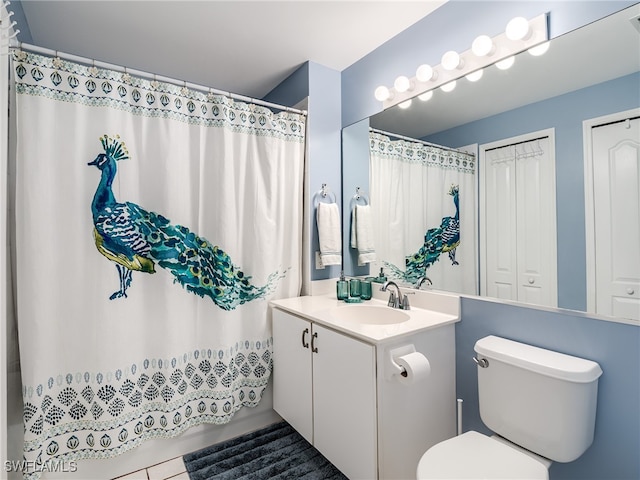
540,360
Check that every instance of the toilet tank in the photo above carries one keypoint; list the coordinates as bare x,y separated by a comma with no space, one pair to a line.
542,400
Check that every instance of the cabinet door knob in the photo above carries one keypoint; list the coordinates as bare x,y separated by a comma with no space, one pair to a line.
314,349
531,280
630,291
305,344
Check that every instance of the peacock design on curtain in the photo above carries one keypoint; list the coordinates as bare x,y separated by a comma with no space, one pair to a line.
135,239
437,240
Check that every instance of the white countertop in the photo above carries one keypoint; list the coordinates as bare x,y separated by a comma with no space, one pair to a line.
325,310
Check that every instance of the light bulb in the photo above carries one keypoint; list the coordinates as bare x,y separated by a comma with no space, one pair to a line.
382,93
406,104
474,76
506,64
426,96
539,49
402,84
448,87
451,60
518,29
483,46
425,72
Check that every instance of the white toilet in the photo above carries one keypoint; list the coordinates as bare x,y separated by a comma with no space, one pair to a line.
541,405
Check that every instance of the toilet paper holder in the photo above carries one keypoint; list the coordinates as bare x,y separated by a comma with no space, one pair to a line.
394,368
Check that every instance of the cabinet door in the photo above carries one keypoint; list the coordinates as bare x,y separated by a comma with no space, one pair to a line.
344,401
292,392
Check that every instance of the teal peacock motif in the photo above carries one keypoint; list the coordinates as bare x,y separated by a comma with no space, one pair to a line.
438,240
136,240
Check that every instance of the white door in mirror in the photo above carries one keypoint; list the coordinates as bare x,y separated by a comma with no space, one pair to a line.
518,221
616,179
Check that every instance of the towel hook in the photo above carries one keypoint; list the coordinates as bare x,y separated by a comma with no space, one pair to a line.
357,197
324,193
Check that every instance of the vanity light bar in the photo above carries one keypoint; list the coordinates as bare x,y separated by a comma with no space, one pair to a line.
503,48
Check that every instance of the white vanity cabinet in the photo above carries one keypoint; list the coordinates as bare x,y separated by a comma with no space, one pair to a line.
324,385
336,381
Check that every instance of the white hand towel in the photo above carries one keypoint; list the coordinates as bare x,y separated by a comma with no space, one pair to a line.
362,234
329,236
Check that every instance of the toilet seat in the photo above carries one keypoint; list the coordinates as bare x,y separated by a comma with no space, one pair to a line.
473,455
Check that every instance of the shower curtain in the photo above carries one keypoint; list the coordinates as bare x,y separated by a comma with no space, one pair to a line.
154,223
424,222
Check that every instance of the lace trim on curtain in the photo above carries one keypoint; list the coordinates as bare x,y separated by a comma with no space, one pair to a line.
168,396
93,86
420,153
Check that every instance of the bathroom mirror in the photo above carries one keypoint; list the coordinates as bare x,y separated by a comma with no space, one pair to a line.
587,73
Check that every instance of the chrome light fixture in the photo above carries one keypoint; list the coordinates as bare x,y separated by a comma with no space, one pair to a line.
520,35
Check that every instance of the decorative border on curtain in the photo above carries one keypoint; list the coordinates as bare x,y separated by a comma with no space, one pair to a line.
168,396
71,82
419,153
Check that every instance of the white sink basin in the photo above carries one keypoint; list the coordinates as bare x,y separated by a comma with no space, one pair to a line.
369,314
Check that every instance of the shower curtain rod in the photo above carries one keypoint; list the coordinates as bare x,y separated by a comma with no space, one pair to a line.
424,142
160,78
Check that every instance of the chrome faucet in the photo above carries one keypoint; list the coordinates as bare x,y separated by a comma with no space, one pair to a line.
395,301
423,279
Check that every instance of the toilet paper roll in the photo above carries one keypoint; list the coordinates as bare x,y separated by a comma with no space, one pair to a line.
415,368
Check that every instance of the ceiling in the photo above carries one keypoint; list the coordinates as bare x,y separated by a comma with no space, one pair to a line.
245,47
595,53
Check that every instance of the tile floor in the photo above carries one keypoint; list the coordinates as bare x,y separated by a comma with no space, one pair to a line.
173,469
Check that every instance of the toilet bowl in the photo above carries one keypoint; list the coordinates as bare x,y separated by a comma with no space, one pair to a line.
473,455
540,404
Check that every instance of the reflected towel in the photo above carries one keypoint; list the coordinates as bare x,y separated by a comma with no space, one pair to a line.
329,236
362,234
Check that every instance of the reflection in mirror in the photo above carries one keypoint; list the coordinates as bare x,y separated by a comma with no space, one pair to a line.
517,209
424,222
586,74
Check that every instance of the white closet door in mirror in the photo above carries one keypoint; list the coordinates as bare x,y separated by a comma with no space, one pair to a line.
518,212
616,181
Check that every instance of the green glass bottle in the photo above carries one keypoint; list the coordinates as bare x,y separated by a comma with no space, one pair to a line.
342,287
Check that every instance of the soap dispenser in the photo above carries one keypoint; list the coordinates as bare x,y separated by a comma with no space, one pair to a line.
381,278
342,287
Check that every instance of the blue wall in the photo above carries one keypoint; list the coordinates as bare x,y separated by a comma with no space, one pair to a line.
323,88
616,346
565,113
355,173
293,89
325,156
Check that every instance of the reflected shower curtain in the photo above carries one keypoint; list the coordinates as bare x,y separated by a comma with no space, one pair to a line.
424,222
153,225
